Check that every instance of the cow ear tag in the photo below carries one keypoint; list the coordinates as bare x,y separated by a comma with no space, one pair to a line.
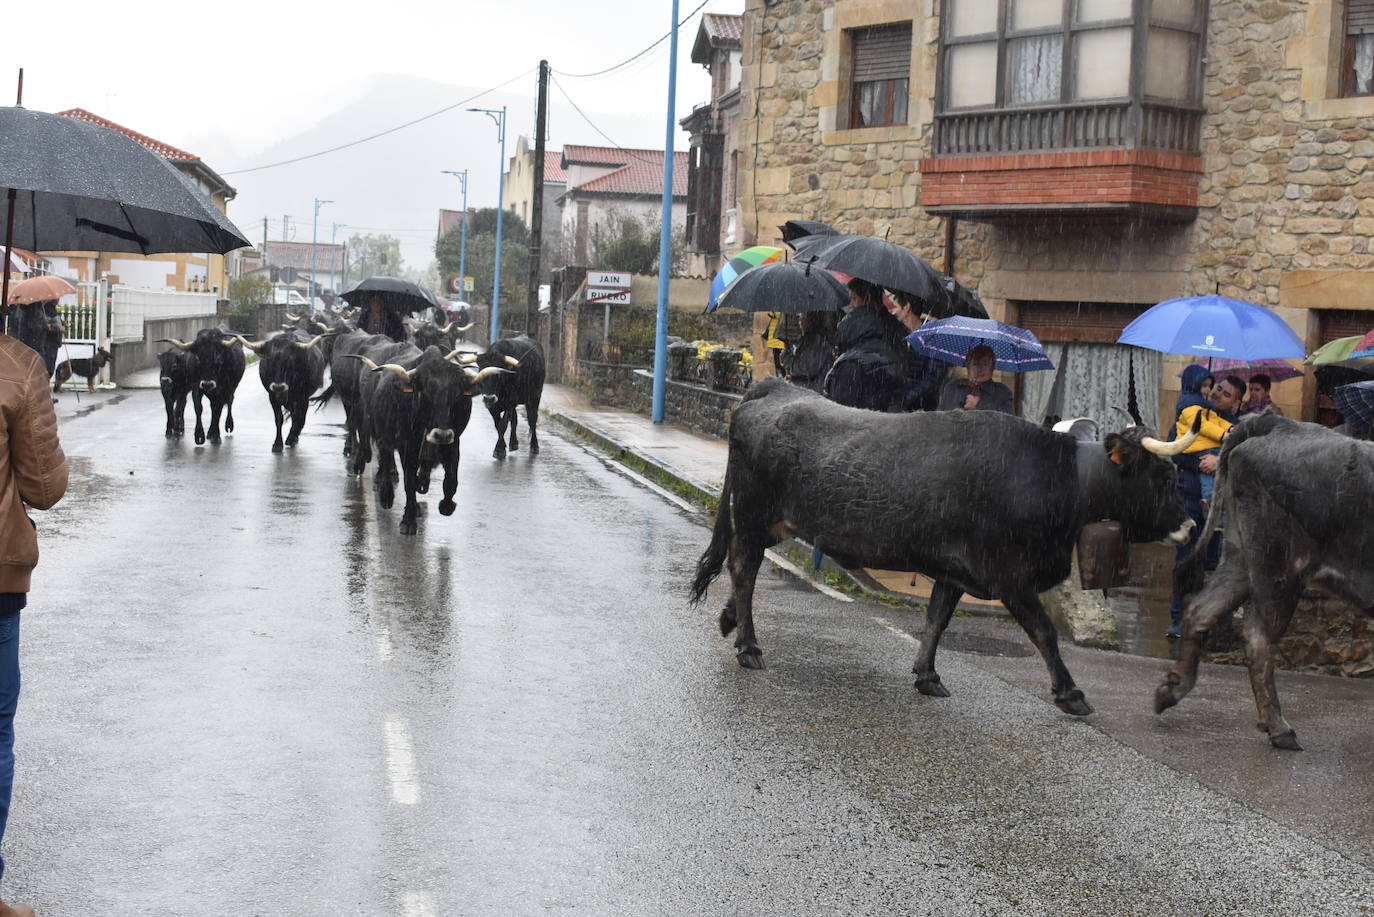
409,389
1118,456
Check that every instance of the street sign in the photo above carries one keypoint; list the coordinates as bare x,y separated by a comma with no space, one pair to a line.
545,296
468,284
608,297
455,283
616,280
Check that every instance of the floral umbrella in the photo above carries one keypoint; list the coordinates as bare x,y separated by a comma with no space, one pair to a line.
749,258
1334,351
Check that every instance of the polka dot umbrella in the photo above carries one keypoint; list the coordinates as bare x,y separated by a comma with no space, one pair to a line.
749,258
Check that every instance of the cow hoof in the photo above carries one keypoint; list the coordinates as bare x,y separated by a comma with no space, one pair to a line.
1074,703
499,454
446,507
215,440
931,686
1288,741
409,527
534,447
422,486
276,447
1165,697
751,658
200,438
170,434
292,441
386,496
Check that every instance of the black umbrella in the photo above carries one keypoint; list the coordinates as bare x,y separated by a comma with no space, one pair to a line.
959,300
785,286
876,261
396,294
1333,375
793,230
76,186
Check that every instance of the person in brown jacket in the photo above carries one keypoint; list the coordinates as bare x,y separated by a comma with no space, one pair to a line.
33,473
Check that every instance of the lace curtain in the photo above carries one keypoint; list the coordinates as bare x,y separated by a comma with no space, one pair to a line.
1036,66
1091,380
1364,64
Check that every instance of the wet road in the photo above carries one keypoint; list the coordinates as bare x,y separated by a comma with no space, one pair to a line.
246,693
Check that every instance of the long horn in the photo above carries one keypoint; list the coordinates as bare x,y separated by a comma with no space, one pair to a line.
465,327
255,346
322,326
464,359
512,362
232,340
183,346
445,329
1158,447
294,318
396,368
489,371
366,362
316,340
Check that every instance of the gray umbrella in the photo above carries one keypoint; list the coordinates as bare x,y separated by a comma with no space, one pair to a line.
395,292
785,286
876,261
76,186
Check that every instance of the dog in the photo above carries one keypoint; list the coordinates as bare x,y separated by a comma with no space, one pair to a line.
82,366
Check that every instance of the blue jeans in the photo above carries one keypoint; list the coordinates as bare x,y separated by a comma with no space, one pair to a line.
9,701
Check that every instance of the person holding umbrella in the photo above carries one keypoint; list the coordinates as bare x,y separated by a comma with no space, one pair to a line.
924,374
978,392
868,371
33,473
378,319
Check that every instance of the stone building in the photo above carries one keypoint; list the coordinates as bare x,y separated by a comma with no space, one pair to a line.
714,131
1079,162
519,198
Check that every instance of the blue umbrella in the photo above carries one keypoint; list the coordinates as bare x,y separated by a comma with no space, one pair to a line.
950,339
1356,402
1214,326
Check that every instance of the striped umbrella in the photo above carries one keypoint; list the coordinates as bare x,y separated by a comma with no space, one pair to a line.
750,257
950,339
1276,370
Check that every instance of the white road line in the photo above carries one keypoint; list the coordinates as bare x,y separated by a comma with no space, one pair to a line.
385,649
895,629
796,571
400,763
417,904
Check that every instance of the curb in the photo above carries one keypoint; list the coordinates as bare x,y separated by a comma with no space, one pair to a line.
707,499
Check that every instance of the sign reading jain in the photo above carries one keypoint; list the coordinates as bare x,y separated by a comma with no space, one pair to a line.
610,288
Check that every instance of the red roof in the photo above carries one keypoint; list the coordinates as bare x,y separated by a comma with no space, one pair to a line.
553,166
165,150
640,172
726,26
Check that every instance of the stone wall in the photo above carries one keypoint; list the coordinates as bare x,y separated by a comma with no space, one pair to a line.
632,389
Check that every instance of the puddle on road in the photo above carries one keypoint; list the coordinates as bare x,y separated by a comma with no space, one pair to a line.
97,405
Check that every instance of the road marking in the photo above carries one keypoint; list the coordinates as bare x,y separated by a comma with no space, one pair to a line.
796,571
417,904
400,763
384,645
895,629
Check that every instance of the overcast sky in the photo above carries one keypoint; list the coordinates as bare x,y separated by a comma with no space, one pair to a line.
239,78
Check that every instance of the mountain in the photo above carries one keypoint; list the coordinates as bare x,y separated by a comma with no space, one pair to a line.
394,183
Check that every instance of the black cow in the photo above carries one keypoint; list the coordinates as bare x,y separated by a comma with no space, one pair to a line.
177,371
291,369
417,406
984,503
346,375
1298,500
430,334
219,367
507,390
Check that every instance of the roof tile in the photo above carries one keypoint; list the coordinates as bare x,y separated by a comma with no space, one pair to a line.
165,150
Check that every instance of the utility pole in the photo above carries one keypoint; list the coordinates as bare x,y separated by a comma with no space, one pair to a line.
314,227
537,206
264,238
462,233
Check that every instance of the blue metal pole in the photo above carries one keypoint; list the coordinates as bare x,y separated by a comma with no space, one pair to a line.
463,241
500,210
313,223
665,236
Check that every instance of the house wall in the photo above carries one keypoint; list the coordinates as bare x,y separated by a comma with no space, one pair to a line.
602,213
1286,198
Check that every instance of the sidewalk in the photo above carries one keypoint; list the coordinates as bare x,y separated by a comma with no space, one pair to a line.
693,465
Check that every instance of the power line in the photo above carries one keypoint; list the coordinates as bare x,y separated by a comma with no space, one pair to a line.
579,76
392,130
597,129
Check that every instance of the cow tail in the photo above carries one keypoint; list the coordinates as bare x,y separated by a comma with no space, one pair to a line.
320,400
713,558
1192,574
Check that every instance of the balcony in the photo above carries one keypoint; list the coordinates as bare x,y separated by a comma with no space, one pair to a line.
1117,157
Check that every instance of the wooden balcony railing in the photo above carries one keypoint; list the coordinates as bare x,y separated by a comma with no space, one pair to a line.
1081,126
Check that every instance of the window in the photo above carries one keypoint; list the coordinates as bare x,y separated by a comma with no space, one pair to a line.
881,58
1009,53
1357,69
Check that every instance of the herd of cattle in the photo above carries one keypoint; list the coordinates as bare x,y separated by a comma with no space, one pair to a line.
410,399
992,505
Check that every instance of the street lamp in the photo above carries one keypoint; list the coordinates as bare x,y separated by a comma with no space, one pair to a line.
463,228
499,117
343,262
314,224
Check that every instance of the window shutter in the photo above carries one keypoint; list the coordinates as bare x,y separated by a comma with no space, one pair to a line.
885,53
1359,17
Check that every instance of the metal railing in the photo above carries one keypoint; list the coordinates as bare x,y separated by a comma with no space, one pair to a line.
1079,126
